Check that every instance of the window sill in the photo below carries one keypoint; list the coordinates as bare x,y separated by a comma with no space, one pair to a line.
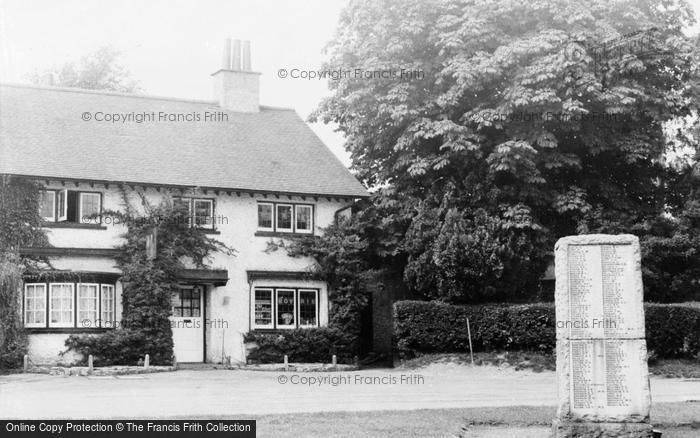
66,330
271,331
281,234
73,225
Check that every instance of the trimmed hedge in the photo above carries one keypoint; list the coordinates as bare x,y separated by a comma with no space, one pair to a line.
673,330
302,345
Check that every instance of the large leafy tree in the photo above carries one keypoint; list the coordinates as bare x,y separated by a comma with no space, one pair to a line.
523,127
98,70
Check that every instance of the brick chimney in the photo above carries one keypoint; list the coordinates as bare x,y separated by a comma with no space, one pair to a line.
236,87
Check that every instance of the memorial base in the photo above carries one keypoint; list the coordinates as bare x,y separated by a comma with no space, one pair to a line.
562,429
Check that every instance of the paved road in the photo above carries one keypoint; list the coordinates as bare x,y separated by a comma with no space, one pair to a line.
221,393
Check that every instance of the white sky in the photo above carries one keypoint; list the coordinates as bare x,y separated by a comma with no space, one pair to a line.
172,46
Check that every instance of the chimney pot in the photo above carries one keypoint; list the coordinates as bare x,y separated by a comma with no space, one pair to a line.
226,60
236,65
246,55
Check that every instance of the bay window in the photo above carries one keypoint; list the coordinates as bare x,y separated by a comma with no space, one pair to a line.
285,308
69,305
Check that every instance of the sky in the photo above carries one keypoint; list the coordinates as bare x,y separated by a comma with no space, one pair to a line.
172,46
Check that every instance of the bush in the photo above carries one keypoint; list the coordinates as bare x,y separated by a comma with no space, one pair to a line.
302,345
115,347
672,330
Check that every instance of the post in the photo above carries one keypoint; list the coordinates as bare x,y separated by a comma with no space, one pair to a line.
147,361
286,362
90,363
469,335
25,363
174,362
334,360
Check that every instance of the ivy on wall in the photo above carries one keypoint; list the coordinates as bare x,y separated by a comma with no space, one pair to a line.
148,279
20,226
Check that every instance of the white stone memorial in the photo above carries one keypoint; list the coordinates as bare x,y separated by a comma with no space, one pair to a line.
602,375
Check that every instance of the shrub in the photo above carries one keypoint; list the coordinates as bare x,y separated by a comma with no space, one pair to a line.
302,345
116,347
672,330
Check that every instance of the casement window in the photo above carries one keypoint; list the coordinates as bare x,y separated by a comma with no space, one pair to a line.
61,305
302,217
107,299
308,308
69,305
35,305
285,218
47,205
197,212
283,214
71,206
285,308
90,207
265,216
88,304
263,308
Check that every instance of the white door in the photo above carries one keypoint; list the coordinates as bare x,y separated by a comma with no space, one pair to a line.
187,324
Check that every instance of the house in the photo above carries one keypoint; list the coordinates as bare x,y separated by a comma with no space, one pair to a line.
246,172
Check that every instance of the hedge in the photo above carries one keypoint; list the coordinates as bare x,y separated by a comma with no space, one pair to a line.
302,345
673,330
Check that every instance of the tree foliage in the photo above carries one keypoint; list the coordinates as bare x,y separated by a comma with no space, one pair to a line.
523,127
99,70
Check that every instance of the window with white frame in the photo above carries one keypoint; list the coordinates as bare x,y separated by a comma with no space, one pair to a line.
69,305
285,217
266,216
35,305
197,212
303,221
71,206
47,205
107,300
308,308
88,304
61,305
90,207
263,308
285,308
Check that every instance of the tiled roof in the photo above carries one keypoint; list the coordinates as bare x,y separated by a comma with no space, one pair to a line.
42,134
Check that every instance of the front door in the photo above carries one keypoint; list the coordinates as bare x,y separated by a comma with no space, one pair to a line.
187,324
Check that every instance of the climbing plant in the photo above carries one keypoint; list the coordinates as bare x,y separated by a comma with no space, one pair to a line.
20,226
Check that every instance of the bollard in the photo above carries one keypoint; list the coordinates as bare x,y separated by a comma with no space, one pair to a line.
286,362
357,361
174,362
90,363
334,360
25,363
147,361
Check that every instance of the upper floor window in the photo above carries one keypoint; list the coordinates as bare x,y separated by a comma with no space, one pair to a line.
70,206
198,212
285,218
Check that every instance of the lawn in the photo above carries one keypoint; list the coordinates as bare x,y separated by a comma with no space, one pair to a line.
675,420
